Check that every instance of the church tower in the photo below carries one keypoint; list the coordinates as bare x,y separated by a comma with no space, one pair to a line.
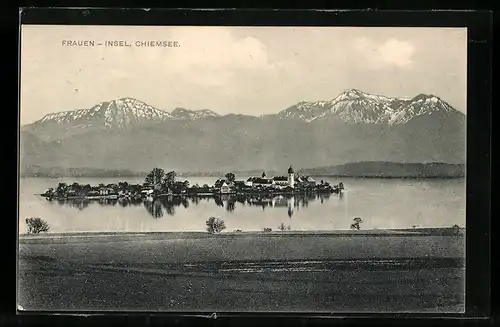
291,182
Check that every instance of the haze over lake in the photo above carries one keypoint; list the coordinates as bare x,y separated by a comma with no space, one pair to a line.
381,203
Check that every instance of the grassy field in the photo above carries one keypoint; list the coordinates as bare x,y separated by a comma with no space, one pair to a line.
392,271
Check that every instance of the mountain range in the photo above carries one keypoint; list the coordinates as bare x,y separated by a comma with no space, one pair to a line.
355,126
354,106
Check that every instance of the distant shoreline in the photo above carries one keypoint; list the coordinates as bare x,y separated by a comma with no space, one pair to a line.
217,176
367,169
430,231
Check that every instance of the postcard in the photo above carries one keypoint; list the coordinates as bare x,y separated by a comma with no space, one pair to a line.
242,169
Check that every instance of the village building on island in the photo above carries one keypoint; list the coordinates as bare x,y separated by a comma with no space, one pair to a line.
276,181
223,186
291,181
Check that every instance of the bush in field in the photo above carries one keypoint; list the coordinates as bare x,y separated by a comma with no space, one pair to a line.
456,229
356,223
36,225
215,225
267,229
282,227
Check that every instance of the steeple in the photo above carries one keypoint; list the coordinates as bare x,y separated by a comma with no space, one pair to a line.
291,181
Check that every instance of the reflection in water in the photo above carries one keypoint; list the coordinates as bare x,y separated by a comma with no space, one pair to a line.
218,201
158,207
231,204
154,208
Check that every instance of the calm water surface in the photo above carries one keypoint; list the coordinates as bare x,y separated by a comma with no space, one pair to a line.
381,203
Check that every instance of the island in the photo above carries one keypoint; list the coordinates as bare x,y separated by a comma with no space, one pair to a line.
157,184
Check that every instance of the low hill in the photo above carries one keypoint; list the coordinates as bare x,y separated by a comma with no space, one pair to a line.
381,169
55,172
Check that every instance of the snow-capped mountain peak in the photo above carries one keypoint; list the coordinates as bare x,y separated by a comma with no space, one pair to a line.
422,104
432,100
125,111
355,106
352,93
121,113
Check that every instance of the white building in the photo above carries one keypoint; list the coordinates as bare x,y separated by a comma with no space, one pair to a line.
291,181
280,180
222,186
259,181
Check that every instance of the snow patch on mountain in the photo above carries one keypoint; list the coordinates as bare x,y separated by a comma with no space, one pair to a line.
121,113
355,106
181,113
306,111
116,113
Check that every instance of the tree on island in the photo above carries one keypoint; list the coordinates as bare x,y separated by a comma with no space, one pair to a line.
155,176
86,188
62,188
123,186
50,191
230,177
75,187
169,178
263,174
134,189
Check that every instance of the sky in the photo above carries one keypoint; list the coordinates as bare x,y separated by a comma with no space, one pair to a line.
242,70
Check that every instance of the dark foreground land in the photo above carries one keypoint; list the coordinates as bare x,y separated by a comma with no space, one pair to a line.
383,271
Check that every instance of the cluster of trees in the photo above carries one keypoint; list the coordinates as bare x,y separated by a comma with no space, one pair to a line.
165,181
64,189
157,176
76,189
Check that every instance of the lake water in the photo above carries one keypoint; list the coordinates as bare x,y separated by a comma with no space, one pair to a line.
381,203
